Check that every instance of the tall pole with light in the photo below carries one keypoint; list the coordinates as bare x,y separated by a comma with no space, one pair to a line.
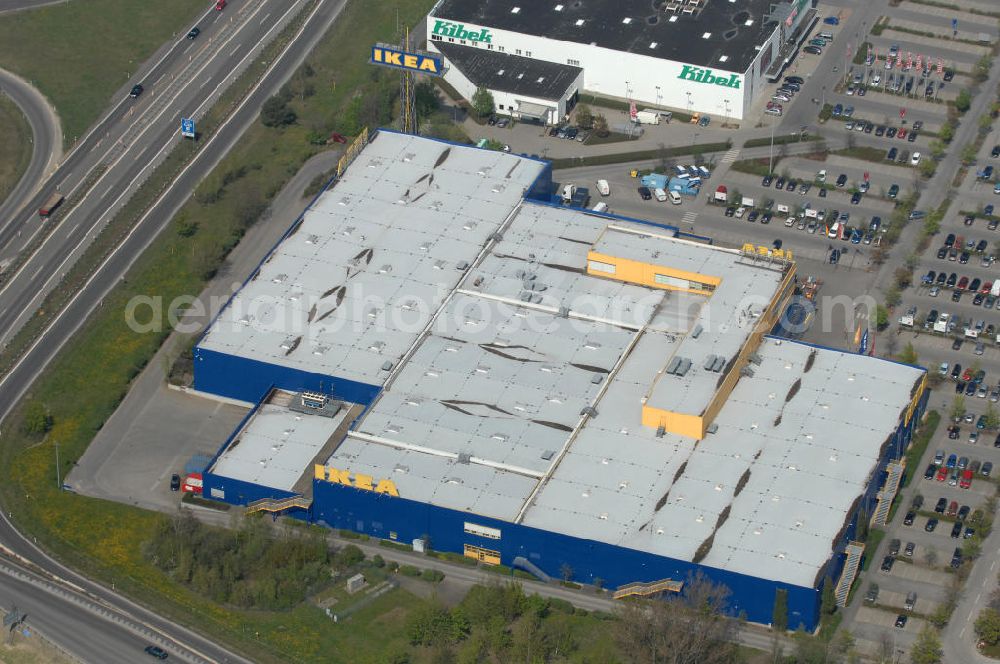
770,158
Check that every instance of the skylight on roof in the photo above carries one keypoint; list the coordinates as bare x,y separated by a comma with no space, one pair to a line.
653,44
559,8
515,10
579,22
707,35
627,20
672,19
749,22
723,58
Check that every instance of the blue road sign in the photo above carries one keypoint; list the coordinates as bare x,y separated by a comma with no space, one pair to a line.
864,343
187,128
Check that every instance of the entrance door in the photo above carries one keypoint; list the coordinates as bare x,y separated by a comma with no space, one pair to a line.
487,556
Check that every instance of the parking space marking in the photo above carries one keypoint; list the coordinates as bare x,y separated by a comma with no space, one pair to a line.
689,217
730,156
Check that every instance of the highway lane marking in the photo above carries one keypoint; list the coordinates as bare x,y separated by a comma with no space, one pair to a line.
266,16
135,256
12,329
94,128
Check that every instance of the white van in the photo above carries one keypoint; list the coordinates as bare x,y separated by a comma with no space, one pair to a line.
834,230
603,187
600,207
781,208
825,35
675,198
567,193
659,194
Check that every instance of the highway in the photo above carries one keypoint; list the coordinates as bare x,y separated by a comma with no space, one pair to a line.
148,136
46,140
113,160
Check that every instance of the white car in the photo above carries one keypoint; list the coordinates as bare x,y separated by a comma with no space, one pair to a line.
774,110
790,221
740,211
603,187
876,79
915,159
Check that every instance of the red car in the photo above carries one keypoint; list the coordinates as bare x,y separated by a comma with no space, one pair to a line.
966,480
338,138
963,283
901,134
942,474
220,5
987,287
967,376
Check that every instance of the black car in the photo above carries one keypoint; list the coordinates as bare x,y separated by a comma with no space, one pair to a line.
908,519
912,138
929,473
969,219
834,256
995,152
645,193
981,246
856,198
942,253
918,502
890,132
842,180
156,651
572,132
953,432
766,219
956,531
175,482
791,185
901,620
963,512
193,34
942,503
822,192
887,563
731,210
956,297
795,79
891,155
931,525
752,217
963,258
880,130
949,74
978,299
780,184
956,558
766,182
136,91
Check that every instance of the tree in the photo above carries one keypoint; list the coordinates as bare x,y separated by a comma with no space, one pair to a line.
779,618
685,628
927,168
37,420
969,154
881,317
991,418
601,125
482,102
937,148
947,132
985,122
276,113
908,355
566,572
425,99
957,407
584,116
963,101
987,626
828,602
927,648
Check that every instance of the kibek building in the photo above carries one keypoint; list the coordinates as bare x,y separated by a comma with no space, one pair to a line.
708,56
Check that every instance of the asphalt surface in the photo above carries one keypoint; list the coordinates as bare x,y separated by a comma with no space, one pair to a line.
107,276
46,140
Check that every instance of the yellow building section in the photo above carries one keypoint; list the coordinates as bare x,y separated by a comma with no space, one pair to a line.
487,556
682,424
916,398
648,274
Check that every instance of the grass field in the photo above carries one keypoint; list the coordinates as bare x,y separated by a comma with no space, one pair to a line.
79,53
15,145
85,383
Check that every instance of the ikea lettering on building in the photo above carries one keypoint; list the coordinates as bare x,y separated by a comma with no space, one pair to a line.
626,406
425,63
536,58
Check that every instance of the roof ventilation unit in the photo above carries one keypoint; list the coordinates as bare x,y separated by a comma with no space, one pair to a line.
709,362
547,455
462,265
746,371
712,428
673,364
696,331
464,457
588,410
387,366
596,379
563,312
661,431
720,362
684,367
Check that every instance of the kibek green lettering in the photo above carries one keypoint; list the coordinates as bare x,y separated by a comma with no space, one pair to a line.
699,75
458,31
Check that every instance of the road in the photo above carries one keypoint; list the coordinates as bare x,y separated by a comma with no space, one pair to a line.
15,383
115,157
18,5
46,139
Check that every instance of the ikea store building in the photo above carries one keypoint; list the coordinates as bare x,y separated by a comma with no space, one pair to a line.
437,354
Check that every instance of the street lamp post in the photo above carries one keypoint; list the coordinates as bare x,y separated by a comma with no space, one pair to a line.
770,158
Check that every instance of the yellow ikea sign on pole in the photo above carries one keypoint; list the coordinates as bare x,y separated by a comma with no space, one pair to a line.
356,480
423,63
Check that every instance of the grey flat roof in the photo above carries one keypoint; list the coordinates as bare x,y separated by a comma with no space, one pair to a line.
515,74
603,22
355,284
276,446
522,399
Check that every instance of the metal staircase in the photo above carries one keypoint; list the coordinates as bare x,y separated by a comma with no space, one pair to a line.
854,552
647,589
885,497
279,504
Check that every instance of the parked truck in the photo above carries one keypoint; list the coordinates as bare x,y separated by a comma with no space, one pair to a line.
685,187
654,181
721,194
647,117
941,324
995,289
908,316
